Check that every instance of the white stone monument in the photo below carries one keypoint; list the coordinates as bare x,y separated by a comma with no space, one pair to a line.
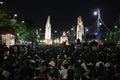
80,29
48,39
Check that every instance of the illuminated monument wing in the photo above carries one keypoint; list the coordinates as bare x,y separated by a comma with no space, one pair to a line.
80,29
48,32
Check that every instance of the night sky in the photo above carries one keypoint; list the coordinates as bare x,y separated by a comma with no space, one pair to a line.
64,13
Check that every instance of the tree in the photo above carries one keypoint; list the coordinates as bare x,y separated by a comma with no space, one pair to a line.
31,30
22,31
5,20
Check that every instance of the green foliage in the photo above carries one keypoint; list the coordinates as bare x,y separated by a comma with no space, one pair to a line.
32,34
22,31
5,20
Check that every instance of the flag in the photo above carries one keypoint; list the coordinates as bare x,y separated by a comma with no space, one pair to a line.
97,33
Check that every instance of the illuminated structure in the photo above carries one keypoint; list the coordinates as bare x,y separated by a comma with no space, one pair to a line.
48,32
8,39
80,29
64,38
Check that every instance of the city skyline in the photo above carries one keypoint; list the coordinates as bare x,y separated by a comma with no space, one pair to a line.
64,13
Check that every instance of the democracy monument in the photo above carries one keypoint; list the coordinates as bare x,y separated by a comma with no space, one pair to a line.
64,38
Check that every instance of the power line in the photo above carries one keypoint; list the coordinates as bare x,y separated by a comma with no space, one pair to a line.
105,25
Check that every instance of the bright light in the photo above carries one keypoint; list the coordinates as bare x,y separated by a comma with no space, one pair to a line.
67,32
40,29
22,21
115,26
74,34
55,31
100,24
86,29
95,13
18,34
1,2
72,28
57,40
15,15
41,41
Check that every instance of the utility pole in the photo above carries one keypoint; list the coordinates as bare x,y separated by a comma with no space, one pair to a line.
98,25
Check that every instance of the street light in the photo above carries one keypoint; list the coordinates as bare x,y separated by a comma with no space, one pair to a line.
15,15
67,32
55,31
95,13
116,26
100,24
1,2
86,29
22,21
72,28
40,29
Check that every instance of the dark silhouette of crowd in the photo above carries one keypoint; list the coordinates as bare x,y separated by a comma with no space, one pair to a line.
42,62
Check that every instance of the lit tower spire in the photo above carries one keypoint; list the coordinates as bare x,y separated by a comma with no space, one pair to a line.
80,28
48,29
48,39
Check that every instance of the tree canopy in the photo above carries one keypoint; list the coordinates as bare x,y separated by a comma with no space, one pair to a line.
22,31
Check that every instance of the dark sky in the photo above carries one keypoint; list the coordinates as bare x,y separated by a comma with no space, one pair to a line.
64,13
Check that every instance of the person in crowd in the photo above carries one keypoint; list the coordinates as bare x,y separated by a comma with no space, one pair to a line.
59,63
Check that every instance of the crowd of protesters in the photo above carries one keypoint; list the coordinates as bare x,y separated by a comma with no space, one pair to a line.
59,63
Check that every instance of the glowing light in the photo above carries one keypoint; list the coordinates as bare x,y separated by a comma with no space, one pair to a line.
15,15
1,2
40,29
22,21
72,29
100,24
57,41
8,34
8,39
18,34
95,13
115,26
55,31
67,32
86,29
